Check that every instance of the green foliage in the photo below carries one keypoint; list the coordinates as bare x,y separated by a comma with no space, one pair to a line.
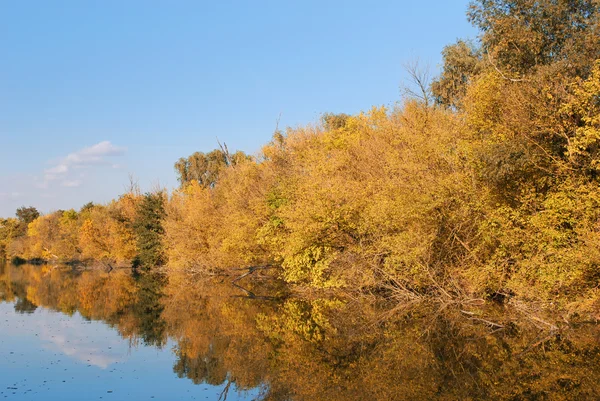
205,168
87,207
148,230
26,215
462,61
148,307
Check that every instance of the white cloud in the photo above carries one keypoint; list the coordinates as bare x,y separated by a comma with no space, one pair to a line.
95,154
76,347
61,168
71,183
11,195
61,181
91,344
92,155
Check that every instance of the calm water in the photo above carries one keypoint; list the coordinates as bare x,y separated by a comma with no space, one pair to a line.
68,335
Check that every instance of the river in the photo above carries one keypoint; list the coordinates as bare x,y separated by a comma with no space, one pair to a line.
67,334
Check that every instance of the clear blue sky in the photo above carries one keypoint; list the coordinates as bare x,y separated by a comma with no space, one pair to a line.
92,91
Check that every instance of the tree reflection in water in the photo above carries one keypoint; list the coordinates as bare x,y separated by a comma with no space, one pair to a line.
323,348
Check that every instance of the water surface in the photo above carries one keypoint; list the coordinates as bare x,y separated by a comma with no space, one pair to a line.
87,335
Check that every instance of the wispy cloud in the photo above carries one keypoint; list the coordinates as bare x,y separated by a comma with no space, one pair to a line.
10,195
71,183
64,181
91,344
70,171
75,345
93,155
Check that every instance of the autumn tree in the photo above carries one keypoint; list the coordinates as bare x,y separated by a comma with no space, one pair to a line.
106,232
334,121
461,62
205,168
88,206
9,229
26,215
520,36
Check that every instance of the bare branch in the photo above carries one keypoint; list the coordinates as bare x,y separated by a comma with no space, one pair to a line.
420,79
277,122
226,153
133,187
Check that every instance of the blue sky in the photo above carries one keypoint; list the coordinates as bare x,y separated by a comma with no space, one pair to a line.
93,91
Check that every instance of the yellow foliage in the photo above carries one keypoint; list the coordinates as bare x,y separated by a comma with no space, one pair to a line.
104,236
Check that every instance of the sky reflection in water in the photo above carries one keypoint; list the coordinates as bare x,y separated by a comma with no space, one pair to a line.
46,355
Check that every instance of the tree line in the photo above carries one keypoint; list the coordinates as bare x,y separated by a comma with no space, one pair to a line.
485,186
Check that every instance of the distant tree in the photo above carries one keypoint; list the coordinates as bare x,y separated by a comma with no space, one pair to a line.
205,168
148,230
462,60
25,215
88,206
333,121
